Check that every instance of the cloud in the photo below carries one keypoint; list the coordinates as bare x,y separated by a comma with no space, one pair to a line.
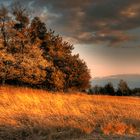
113,36
90,21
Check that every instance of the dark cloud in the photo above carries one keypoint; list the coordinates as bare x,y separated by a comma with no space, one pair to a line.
90,21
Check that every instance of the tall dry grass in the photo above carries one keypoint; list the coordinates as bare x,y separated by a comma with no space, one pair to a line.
28,114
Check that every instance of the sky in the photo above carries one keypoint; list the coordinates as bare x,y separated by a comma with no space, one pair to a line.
106,33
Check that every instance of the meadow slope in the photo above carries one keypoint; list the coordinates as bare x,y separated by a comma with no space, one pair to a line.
29,114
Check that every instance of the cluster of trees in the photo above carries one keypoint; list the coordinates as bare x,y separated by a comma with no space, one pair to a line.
122,90
30,54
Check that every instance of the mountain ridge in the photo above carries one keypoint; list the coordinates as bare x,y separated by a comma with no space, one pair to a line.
133,80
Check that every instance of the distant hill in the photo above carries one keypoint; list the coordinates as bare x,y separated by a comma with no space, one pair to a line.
133,80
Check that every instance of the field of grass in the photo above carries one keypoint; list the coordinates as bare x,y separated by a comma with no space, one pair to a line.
29,114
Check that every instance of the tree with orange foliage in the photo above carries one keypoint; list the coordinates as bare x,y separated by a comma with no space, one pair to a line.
33,55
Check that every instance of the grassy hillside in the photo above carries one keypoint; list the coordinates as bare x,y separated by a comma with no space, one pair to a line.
27,114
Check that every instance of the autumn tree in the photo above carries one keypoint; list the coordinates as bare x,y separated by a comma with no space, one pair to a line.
37,29
77,73
21,60
34,55
6,61
21,16
73,71
4,57
3,24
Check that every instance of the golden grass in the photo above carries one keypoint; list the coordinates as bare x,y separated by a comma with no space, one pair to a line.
39,115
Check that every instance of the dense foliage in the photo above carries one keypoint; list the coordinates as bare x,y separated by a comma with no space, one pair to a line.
33,55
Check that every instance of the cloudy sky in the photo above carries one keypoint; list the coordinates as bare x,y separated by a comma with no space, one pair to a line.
106,33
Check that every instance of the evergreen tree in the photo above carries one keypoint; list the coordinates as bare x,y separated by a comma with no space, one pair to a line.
109,89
